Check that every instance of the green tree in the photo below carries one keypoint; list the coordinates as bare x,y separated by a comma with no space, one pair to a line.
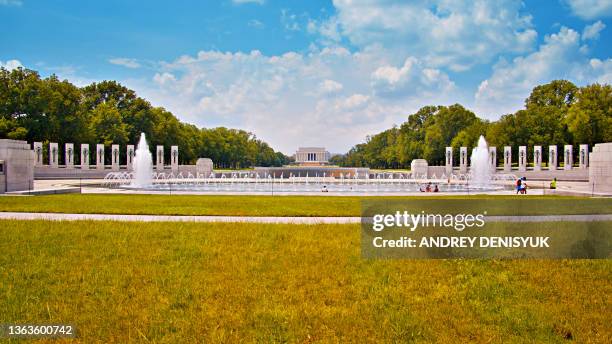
468,137
589,119
107,125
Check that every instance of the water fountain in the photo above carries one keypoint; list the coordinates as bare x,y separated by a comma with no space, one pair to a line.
481,178
143,165
480,167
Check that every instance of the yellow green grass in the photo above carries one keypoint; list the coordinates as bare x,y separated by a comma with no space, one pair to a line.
295,205
188,282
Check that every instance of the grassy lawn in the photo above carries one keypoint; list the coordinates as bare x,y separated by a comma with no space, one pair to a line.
295,205
186,282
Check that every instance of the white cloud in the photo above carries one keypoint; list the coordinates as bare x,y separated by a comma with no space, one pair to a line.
590,9
256,24
354,102
329,30
11,2
125,62
453,34
290,20
330,86
321,97
559,57
164,78
592,31
412,77
240,2
601,71
11,64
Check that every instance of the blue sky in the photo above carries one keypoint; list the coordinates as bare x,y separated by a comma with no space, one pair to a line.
307,73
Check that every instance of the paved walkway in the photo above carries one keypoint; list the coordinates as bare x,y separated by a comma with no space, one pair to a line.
269,219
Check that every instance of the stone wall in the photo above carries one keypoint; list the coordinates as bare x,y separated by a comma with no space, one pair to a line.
17,166
311,171
600,171
574,175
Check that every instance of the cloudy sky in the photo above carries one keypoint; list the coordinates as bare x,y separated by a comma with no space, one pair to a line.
304,73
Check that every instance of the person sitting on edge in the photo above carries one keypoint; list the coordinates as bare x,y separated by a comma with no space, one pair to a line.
324,189
428,188
524,186
553,183
436,188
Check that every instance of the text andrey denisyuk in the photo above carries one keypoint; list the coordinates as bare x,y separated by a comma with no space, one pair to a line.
458,222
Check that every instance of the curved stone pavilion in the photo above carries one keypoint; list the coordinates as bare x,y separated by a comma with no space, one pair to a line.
111,165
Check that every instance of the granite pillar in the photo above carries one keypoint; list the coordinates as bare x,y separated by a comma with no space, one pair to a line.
552,157
159,158
568,159
522,159
53,154
100,156
38,153
507,158
115,157
463,160
129,156
449,161
584,156
69,155
537,158
174,158
85,156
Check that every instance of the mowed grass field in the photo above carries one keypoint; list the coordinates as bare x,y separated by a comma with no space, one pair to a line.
297,205
224,282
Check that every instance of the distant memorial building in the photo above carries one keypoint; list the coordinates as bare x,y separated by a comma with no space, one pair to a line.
312,156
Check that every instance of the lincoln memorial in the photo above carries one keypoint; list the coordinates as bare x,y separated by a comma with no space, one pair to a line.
312,156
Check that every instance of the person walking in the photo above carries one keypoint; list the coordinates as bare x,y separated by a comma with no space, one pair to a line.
523,186
553,184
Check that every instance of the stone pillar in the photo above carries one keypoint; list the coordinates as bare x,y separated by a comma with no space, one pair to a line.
69,155
568,159
552,157
493,158
507,158
463,160
38,154
115,157
449,161
100,156
584,156
85,156
129,156
174,158
159,159
600,170
537,158
522,159
53,154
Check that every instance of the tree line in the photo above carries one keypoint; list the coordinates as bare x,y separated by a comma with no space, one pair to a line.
52,110
556,113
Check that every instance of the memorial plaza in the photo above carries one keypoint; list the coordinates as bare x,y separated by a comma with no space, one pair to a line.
31,168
